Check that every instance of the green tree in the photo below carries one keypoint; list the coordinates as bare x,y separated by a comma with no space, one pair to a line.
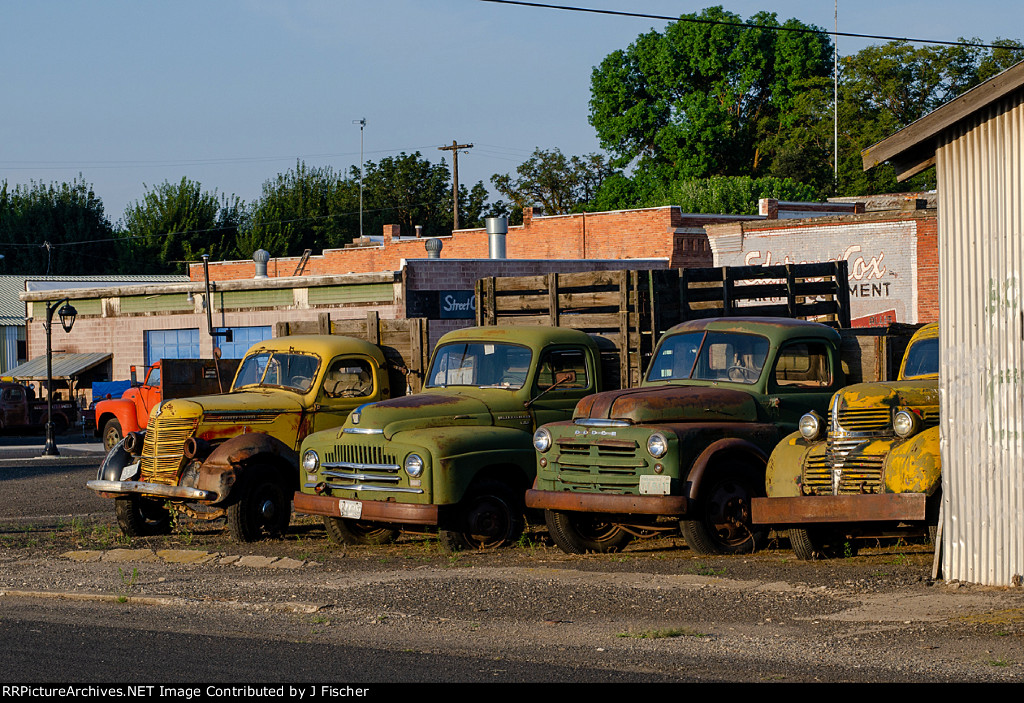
737,195
552,183
56,229
175,223
408,190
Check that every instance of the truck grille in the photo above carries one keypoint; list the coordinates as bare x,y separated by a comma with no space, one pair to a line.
866,420
609,466
164,449
859,474
360,467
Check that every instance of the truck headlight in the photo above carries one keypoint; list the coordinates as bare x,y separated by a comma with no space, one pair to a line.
904,423
414,465
542,440
310,461
810,426
657,445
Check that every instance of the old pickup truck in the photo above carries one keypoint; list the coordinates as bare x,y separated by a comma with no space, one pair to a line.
21,410
237,453
691,443
869,468
456,456
166,379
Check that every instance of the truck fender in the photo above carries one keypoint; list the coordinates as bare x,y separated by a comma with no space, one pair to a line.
123,410
228,463
783,476
114,463
914,466
730,445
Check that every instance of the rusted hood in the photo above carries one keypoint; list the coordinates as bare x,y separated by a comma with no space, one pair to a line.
670,403
890,394
421,410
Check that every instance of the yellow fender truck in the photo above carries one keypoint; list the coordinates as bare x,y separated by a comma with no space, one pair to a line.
236,454
870,469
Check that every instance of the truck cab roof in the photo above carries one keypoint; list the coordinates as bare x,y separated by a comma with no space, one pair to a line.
776,328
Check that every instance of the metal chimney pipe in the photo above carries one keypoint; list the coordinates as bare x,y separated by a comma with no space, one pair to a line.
261,257
419,231
497,228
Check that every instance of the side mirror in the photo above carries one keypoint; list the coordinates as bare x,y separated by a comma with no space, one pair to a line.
135,379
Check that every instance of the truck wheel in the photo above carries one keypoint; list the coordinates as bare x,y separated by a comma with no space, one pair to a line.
821,544
263,509
112,434
142,517
343,531
721,522
60,424
489,517
580,533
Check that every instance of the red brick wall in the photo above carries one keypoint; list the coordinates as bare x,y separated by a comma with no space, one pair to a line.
927,270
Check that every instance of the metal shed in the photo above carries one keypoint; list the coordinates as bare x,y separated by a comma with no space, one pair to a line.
976,143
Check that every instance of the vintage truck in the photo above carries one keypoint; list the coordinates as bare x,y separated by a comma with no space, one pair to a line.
237,453
456,456
20,410
869,468
166,379
691,443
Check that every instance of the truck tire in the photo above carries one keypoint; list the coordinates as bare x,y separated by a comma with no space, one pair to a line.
344,531
809,545
802,543
112,433
720,522
489,517
582,533
142,517
263,509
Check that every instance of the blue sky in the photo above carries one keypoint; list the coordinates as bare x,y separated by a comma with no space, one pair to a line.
231,92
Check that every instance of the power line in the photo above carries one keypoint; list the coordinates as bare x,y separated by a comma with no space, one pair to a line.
747,25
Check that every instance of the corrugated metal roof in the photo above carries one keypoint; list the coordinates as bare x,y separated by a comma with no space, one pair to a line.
12,309
65,365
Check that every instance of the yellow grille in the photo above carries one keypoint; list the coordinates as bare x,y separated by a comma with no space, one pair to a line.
865,420
164,449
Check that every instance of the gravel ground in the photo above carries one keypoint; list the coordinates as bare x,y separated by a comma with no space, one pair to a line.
655,609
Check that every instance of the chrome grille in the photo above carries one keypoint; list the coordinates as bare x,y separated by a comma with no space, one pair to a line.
860,474
164,449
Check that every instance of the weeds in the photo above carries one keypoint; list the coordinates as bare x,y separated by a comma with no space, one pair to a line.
663,634
998,662
702,569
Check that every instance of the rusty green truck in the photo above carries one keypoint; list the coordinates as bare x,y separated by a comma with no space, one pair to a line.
457,456
691,443
870,467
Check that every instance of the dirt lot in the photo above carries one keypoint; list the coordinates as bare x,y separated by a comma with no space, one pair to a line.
654,609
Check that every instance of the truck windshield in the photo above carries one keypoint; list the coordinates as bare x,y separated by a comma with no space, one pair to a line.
277,370
710,356
922,359
481,365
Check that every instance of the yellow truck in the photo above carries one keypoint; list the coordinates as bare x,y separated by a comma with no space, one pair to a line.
871,468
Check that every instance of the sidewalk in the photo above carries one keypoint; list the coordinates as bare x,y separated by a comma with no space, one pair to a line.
70,444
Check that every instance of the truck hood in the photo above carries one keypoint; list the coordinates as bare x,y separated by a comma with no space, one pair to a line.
890,394
661,404
423,410
263,402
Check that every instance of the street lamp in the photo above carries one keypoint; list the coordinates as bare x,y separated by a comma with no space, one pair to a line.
67,320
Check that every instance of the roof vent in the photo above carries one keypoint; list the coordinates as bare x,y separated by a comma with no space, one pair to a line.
497,228
261,257
433,247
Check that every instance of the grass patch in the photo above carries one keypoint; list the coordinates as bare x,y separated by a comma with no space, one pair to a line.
663,634
702,569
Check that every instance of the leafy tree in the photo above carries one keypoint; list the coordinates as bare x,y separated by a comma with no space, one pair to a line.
179,222
408,190
719,194
56,229
552,183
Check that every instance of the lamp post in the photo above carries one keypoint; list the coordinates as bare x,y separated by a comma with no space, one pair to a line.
67,321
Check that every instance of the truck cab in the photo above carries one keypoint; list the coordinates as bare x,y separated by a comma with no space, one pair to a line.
870,466
237,453
456,456
691,443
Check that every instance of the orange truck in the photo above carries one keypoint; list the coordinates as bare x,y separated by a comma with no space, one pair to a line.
166,379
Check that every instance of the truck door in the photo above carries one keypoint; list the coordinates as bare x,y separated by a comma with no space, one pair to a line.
801,380
563,377
349,382
13,407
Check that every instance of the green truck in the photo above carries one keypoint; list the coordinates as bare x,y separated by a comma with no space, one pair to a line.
456,456
691,443
870,467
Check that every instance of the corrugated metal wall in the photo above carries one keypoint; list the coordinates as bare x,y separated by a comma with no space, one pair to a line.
981,253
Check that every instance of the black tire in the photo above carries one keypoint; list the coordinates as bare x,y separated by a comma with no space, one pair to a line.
720,520
813,544
344,531
142,517
112,434
60,424
263,509
582,533
490,516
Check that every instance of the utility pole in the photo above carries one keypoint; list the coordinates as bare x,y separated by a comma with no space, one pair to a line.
362,124
454,148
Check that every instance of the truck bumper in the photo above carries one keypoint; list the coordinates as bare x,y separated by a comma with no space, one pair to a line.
369,510
113,489
800,510
601,503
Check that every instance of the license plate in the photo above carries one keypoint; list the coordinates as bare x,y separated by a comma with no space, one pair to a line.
655,485
129,471
352,509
